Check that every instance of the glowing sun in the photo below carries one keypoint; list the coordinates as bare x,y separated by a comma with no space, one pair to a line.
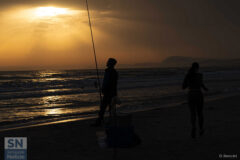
50,11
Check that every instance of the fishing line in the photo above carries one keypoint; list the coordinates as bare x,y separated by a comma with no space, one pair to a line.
95,55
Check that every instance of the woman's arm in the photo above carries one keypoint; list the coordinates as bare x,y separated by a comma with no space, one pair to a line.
185,83
203,85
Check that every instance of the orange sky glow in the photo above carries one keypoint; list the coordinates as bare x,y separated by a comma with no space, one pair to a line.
42,35
57,37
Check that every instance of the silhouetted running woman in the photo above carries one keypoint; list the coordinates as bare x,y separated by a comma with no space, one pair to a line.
194,82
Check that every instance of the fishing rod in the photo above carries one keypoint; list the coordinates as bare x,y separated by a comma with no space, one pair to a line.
94,51
95,56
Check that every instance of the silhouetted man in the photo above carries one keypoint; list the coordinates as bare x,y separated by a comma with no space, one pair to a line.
109,88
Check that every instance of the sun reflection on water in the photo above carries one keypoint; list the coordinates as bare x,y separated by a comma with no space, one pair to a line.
50,100
44,74
55,111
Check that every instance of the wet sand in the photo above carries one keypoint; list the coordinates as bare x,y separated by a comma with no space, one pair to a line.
165,135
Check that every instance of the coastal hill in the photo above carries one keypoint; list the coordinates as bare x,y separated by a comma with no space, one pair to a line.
179,61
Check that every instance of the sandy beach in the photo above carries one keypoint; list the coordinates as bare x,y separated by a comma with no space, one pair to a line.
165,134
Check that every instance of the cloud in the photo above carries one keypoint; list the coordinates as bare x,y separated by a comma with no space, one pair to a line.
137,31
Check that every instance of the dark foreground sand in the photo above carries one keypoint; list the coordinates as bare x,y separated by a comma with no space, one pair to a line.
165,135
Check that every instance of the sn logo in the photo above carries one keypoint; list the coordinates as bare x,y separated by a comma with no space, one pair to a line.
15,143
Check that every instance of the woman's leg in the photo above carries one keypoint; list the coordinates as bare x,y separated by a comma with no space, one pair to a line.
191,104
193,114
200,114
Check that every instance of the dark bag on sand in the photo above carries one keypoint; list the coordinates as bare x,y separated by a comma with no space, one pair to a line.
121,133
122,137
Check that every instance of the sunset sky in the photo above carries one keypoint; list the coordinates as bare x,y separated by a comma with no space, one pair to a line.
41,34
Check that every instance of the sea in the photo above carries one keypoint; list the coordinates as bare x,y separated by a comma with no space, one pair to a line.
39,97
